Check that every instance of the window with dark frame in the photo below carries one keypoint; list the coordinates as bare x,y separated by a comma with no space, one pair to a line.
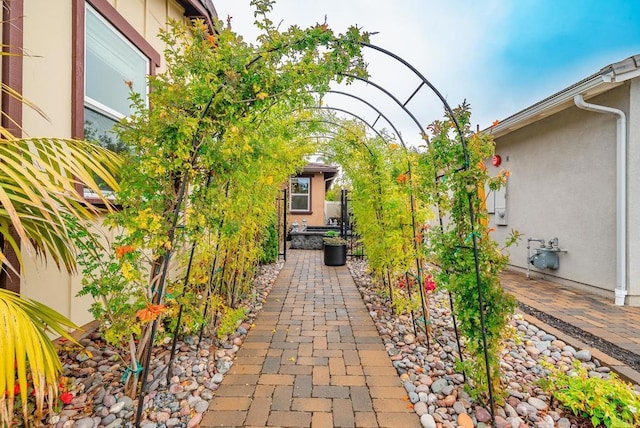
113,67
300,194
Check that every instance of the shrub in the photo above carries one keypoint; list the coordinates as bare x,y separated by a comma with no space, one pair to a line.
270,245
611,402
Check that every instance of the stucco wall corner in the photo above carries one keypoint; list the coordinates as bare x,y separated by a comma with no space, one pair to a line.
633,196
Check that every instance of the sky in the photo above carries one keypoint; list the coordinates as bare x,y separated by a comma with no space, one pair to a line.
501,56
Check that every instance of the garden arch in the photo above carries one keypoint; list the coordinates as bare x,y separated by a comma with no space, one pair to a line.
163,268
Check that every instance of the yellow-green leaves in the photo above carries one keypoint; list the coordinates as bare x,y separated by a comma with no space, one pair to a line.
27,356
39,183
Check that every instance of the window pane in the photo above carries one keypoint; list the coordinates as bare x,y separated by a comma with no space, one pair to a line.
300,185
98,128
110,61
299,203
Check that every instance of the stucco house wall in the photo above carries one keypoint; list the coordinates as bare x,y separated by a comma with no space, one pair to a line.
314,217
321,176
633,183
563,184
52,81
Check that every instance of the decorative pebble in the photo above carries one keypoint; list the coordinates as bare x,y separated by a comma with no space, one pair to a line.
420,408
195,421
117,407
583,355
465,421
482,414
537,403
84,423
427,421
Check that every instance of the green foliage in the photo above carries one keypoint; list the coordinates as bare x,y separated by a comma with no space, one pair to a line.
110,278
270,244
457,192
394,192
332,237
230,320
30,367
225,125
611,402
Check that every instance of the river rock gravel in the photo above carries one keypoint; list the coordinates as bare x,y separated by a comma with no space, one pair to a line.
95,373
436,390
425,368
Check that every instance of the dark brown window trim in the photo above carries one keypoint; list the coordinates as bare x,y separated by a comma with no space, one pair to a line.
12,43
310,177
12,66
109,13
77,56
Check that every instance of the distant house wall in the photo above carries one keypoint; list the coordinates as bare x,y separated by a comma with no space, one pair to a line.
48,81
315,217
563,184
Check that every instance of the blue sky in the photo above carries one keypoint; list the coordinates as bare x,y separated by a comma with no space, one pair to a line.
499,55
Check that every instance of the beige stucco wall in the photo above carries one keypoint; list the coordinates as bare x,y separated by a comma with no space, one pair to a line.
562,184
47,83
316,217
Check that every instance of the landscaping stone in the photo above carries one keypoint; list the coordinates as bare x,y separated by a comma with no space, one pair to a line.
427,372
427,421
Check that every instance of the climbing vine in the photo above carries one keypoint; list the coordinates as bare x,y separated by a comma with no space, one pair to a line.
482,307
422,218
224,128
226,125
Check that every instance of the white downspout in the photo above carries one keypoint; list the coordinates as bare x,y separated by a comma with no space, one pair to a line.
621,193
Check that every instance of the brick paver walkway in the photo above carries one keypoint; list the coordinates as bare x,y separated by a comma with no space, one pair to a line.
314,358
597,315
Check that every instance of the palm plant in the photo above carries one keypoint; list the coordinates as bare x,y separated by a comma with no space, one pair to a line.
39,178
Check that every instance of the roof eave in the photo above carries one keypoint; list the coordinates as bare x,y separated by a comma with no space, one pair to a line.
203,9
590,87
606,79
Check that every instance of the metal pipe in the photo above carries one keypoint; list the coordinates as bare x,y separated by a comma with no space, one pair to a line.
621,192
541,241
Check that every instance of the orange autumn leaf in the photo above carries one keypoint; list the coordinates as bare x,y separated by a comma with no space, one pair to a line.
402,178
212,41
123,249
151,312
495,123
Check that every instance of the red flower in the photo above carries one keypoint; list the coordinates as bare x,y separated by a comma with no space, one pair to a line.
66,397
429,284
16,389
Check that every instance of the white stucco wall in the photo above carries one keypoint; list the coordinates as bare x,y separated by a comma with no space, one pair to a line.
633,183
562,184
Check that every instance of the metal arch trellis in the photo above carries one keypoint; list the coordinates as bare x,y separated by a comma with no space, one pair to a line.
423,297
403,106
162,269
472,215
